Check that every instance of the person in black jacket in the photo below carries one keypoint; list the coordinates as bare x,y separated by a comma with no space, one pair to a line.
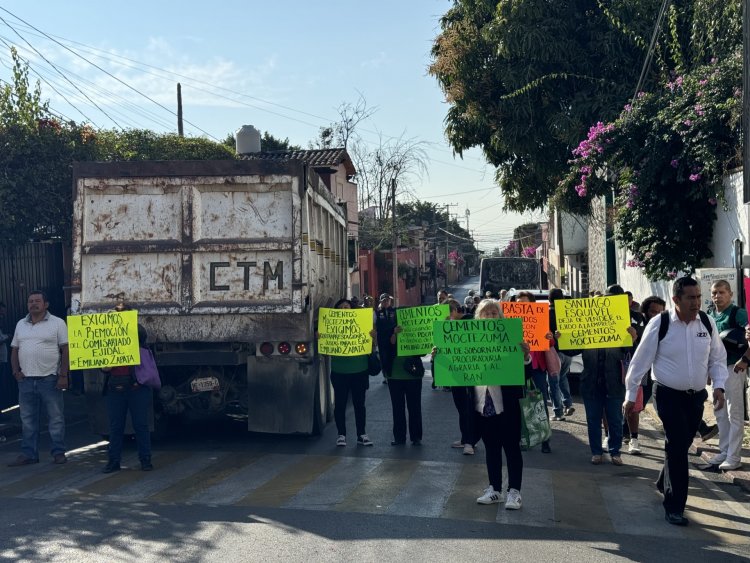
385,323
562,401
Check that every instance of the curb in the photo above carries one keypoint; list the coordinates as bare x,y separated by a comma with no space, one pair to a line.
737,477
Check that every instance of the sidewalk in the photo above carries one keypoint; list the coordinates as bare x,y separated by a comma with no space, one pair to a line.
705,450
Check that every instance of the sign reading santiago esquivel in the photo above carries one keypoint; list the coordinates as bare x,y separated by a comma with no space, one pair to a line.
103,340
478,352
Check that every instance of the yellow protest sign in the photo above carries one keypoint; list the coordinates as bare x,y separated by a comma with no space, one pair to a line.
535,318
598,322
344,332
103,340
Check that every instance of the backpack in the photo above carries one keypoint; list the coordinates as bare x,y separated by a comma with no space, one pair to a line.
664,326
733,338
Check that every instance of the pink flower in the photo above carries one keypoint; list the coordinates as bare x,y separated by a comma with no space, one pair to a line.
688,122
678,81
641,94
675,163
695,177
628,108
712,200
699,109
581,190
703,82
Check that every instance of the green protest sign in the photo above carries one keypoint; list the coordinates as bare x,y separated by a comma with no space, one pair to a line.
478,352
416,323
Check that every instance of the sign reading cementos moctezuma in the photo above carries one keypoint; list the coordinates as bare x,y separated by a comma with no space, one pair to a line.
416,323
597,322
344,332
478,352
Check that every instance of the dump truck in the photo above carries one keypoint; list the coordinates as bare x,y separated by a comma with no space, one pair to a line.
227,264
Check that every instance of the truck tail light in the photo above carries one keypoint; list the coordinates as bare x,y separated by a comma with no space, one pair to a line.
285,348
266,348
301,348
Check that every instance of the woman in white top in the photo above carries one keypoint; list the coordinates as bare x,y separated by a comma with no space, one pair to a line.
498,422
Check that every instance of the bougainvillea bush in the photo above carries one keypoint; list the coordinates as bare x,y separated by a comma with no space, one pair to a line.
664,159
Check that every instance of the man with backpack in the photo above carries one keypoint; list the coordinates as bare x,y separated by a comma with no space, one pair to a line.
730,320
682,348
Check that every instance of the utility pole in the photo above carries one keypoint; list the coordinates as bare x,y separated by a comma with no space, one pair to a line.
395,243
180,130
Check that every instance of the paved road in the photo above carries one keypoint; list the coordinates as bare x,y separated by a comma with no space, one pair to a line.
219,493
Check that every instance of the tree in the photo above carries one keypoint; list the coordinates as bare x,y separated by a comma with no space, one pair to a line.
525,79
398,160
339,134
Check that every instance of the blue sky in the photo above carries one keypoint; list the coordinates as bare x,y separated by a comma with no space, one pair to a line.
283,66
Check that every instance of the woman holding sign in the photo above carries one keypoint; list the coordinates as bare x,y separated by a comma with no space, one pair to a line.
349,374
498,417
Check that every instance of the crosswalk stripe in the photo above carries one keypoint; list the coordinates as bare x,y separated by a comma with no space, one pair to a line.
333,486
240,483
129,476
578,503
224,466
426,491
462,502
278,490
378,489
537,501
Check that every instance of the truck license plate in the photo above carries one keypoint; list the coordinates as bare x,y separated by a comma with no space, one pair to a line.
204,384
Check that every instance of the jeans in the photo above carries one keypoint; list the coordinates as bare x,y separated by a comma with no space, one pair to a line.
559,386
33,392
343,384
612,407
137,401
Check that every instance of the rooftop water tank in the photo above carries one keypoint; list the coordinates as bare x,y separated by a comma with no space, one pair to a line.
247,140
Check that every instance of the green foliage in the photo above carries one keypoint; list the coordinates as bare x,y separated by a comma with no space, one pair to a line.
142,144
666,157
525,78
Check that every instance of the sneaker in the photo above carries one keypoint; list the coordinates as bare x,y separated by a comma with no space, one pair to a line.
364,440
490,496
596,459
570,410
616,460
626,439
546,448
717,459
710,433
605,444
341,441
513,500
730,465
60,459
457,444
468,449
558,418
634,447
147,466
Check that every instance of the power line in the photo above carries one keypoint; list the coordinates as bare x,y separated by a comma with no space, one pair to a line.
105,72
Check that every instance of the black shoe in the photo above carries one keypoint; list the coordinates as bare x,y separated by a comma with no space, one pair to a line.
545,448
147,466
111,467
676,518
659,486
398,442
710,432
416,442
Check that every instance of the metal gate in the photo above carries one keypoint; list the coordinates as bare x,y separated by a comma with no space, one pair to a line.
34,265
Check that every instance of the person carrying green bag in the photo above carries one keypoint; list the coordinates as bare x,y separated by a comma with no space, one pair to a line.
535,428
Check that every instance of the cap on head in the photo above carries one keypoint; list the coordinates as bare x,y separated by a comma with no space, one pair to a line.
384,296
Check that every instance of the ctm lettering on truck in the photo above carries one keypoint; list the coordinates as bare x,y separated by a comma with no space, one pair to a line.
269,274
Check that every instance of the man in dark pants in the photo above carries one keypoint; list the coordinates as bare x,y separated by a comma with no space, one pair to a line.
682,360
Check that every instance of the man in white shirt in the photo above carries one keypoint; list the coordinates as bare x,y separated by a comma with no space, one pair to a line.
682,359
39,359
